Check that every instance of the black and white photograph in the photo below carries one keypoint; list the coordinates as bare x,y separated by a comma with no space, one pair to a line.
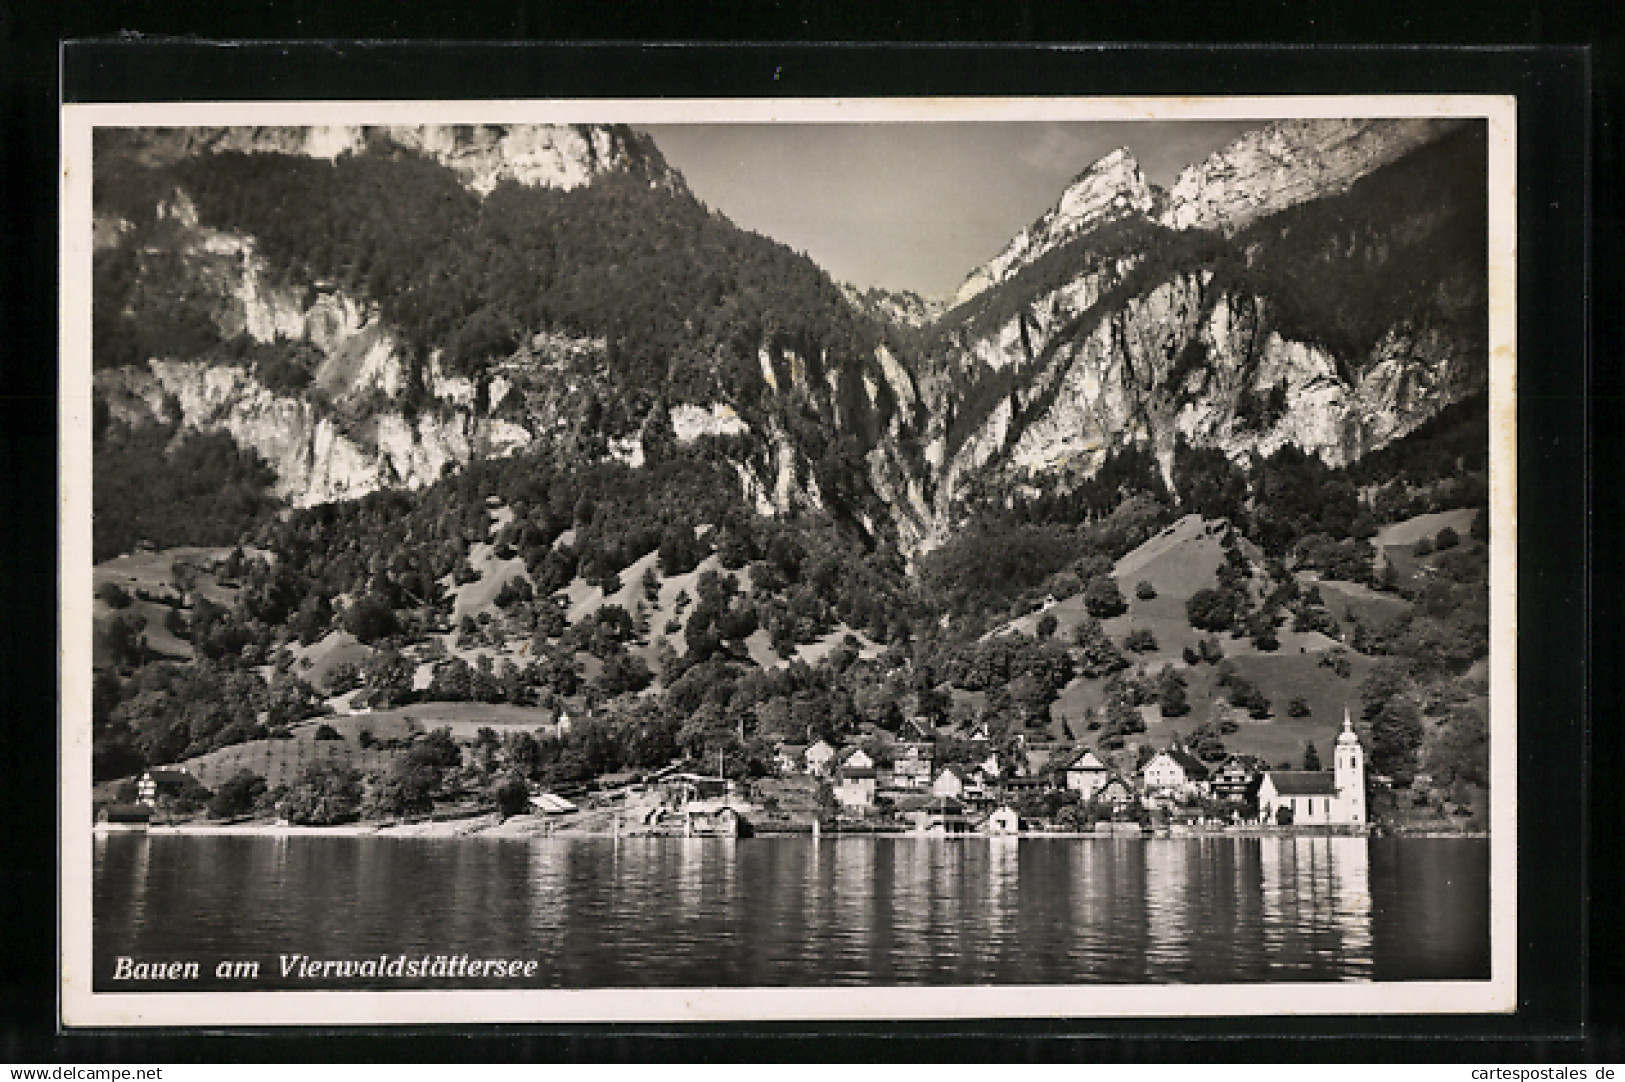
788,559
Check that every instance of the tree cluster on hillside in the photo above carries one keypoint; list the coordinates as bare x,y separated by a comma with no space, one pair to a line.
199,489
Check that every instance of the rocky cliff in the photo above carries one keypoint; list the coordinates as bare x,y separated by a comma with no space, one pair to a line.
1305,286
1287,163
483,155
1318,284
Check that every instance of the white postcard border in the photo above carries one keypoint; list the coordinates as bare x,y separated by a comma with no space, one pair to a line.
80,1006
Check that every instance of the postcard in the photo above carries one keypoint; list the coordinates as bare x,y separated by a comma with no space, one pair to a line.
841,559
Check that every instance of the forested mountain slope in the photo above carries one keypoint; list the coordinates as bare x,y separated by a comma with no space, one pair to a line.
508,416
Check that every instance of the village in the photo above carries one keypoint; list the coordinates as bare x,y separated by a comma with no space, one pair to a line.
1059,787
880,783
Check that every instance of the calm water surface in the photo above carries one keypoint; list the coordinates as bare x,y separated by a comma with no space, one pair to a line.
644,912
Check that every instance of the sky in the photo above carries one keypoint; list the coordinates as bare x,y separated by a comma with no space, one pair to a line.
912,206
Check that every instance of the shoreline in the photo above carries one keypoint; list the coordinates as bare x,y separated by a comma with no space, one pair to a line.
525,826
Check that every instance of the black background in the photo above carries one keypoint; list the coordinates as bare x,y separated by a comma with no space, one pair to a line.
1569,975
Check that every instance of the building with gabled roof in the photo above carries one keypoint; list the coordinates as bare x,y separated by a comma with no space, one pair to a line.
1005,820
855,788
1174,772
1314,797
1116,792
820,758
949,782
854,756
941,815
1086,774
1237,780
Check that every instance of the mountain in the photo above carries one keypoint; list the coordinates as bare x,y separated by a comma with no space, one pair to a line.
365,308
1111,188
483,155
905,308
1332,325
368,307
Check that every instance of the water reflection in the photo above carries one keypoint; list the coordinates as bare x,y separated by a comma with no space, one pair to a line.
695,912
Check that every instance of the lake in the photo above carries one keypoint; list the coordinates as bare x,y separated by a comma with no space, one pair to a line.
674,912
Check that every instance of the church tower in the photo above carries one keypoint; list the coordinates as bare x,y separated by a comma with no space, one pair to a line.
1349,773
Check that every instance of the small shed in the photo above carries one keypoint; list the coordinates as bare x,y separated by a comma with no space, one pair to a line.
123,817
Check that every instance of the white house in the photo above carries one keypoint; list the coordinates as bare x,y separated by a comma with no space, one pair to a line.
855,757
1335,796
1087,775
949,782
1174,772
820,758
855,788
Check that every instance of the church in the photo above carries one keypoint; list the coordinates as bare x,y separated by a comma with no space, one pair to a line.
1314,797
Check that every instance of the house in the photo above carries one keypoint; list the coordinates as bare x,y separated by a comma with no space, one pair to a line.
173,782
989,767
977,786
1115,792
943,815
1086,775
1174,772
855,788
790,758
949,782
1004,821
715,818
820,759
1313,797
1020,790
854,756
911,766
1236,781
680,787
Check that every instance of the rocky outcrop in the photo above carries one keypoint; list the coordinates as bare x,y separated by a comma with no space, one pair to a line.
1286,163
483,155
317,457
1187,359
1111,188
906,308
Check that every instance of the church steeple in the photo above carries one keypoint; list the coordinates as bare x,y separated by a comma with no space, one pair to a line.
1349,769
1348,735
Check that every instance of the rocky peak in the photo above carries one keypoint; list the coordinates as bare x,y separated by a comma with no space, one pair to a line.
483,155
1112,188
905,308
538,155
1286,163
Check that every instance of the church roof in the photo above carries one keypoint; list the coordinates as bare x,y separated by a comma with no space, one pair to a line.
1304,782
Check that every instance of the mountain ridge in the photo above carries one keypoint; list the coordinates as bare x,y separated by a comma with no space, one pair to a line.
1100,328
482,155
